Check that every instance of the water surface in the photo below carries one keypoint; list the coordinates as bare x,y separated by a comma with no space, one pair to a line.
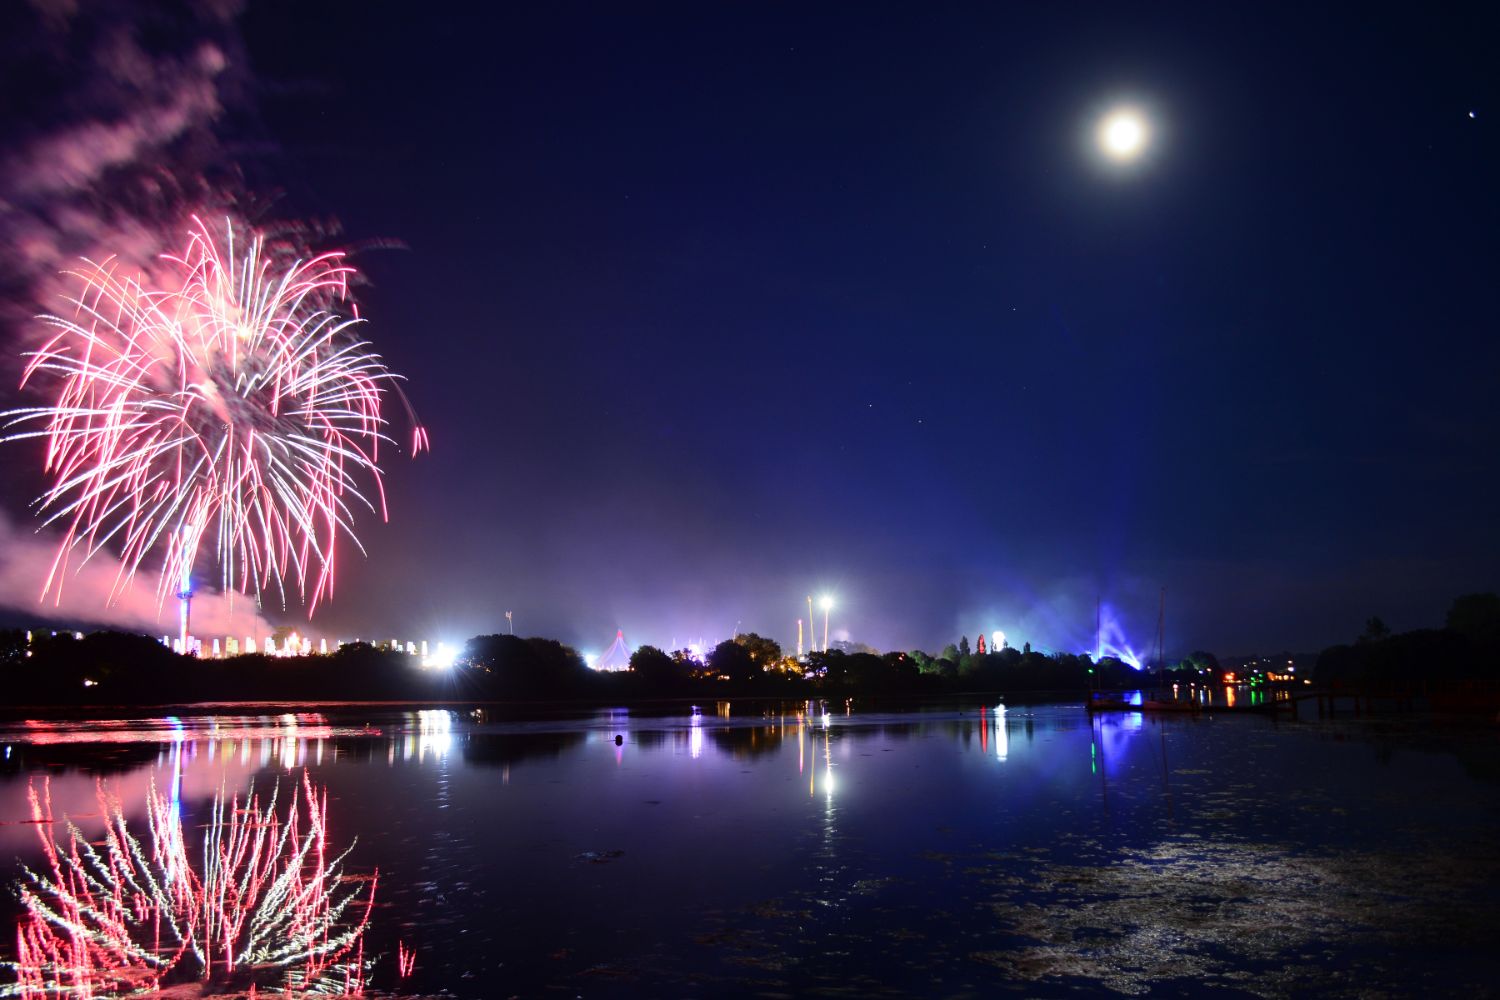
809,849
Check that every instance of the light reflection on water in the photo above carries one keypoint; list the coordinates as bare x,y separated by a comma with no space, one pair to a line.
741,847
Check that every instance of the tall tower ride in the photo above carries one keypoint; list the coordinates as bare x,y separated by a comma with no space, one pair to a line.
185,608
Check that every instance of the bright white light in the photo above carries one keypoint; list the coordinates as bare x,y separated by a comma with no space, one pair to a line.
1123,135
434,732
441,658
827,603
997,640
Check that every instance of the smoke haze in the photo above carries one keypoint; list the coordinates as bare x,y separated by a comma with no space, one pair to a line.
26,558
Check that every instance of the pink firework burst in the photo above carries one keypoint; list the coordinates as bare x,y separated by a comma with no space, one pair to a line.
227,401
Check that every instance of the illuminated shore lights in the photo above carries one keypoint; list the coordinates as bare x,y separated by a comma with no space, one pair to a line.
255,899
439,655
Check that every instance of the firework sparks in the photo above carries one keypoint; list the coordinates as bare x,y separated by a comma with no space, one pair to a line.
228,400
406,960
267,904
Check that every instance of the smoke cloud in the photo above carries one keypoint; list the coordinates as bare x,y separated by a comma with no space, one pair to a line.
26,558
111,139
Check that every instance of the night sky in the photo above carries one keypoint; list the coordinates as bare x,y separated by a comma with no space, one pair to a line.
710,307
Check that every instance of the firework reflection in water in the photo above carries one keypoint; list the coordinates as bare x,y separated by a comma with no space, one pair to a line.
266,906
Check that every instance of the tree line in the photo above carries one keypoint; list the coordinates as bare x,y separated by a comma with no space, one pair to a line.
1465,650
104,668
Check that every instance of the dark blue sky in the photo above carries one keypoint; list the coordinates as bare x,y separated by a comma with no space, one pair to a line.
708,307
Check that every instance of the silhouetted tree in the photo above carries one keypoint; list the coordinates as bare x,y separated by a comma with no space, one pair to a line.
1342,664
1200,659
654,666
827,665
1476,617
1375,631
101,666
765,652
1113,672
867,672
734,661
12,646
688,664
514,667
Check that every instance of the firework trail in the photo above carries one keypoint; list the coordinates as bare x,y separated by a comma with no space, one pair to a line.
267,904
228,401
406,960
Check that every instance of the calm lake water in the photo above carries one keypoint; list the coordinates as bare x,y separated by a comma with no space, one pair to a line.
807,849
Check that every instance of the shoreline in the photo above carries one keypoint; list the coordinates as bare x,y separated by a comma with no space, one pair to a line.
548,706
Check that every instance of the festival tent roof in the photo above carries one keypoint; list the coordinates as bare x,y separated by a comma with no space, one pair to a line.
616,657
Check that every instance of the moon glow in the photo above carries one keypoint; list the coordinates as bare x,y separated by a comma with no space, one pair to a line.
1123,135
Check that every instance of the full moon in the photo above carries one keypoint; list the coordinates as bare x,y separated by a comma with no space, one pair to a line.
1122,135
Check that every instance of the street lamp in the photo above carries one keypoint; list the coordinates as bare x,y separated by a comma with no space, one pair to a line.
827,603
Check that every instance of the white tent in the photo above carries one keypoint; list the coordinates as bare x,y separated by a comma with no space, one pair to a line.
616,657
